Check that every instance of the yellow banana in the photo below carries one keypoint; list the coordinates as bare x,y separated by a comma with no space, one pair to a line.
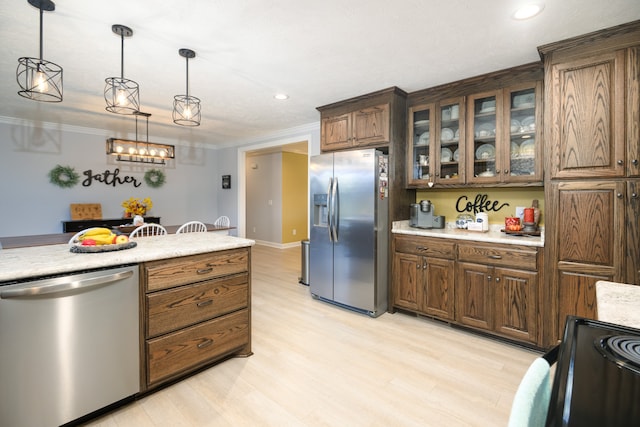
103,239
97,230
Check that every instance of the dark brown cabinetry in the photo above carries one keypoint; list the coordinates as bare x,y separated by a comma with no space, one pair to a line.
424,273
592,133
497,289
484,130
196,311
364,127
490,287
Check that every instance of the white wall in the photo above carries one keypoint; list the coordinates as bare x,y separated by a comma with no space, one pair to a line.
264,197
30,204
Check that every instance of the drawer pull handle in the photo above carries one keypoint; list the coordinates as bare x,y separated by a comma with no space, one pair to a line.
205,303
495,256
204,270
421,248
205,343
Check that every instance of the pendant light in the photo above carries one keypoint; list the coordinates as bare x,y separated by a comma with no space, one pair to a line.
38,79
186,109
122,95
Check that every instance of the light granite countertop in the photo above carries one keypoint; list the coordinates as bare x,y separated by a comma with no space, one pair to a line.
494,235
20,263
618,303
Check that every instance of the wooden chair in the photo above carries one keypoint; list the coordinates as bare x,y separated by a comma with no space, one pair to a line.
192,227
146,230
223,221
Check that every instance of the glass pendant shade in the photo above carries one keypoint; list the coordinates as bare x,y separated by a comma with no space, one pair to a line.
38,79
186,108
121,95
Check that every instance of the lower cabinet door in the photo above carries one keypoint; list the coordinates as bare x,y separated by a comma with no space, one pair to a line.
196,346
515,295
438,285
474,295
407,272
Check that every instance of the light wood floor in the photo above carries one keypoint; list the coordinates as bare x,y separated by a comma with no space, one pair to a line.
315,364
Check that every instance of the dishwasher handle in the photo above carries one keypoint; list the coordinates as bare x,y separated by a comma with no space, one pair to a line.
34,289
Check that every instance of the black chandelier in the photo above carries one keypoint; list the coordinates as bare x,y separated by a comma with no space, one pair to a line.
136,151
38,79
122,95
186,109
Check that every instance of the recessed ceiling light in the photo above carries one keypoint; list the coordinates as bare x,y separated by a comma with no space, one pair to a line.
527,11
281,96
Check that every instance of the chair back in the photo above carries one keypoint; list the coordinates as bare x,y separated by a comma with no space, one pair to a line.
150,229
531,401
192,227
222,221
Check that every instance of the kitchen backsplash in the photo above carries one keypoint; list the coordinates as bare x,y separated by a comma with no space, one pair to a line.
498,203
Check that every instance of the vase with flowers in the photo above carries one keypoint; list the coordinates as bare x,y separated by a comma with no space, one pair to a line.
134,206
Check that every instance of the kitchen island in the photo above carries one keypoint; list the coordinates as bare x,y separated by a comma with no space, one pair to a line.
191,308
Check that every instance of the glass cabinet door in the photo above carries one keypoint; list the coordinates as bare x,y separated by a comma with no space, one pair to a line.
420,156
523,162
484,132
450,133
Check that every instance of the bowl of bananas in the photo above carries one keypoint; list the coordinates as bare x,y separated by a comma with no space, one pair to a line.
99,239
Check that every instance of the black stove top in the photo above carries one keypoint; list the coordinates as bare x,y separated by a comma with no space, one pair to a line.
621,349
597,378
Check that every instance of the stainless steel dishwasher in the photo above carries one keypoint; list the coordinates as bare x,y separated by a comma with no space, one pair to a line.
68,345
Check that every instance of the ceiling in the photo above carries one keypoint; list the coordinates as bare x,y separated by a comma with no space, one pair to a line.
317,52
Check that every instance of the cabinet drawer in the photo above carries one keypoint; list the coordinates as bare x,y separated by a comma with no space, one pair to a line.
186,349
176,308
504,256
439,248
181,271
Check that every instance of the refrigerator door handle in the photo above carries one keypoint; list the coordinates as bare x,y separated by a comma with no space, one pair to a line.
330,210
335,198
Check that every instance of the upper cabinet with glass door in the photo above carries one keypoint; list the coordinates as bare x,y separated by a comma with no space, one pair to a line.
483,138
449,150
420,159
522,160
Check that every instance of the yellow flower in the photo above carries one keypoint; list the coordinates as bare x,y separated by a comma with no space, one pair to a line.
134,206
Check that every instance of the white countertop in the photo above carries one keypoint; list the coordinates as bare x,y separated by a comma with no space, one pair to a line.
494,235
618,303
36,261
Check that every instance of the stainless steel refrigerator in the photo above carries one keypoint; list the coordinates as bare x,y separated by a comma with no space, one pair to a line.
348,248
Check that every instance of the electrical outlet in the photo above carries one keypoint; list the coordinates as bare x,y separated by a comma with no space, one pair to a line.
294,232
254,229
270,202
520,212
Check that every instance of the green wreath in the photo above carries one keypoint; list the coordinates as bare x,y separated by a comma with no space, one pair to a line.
63,176
154,178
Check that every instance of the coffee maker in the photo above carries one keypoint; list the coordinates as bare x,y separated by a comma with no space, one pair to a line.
422,216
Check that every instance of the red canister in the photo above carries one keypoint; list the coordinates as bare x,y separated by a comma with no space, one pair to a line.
528,215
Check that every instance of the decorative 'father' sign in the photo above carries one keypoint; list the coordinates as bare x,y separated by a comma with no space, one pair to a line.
109,178
480,204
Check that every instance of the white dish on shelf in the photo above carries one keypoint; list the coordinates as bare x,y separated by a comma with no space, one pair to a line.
421,123
486,130
486,152
446,134
515,149
515,126
457,134
424,138
446,155
528,148
488,106
456,155
487,173
525,100
529,123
